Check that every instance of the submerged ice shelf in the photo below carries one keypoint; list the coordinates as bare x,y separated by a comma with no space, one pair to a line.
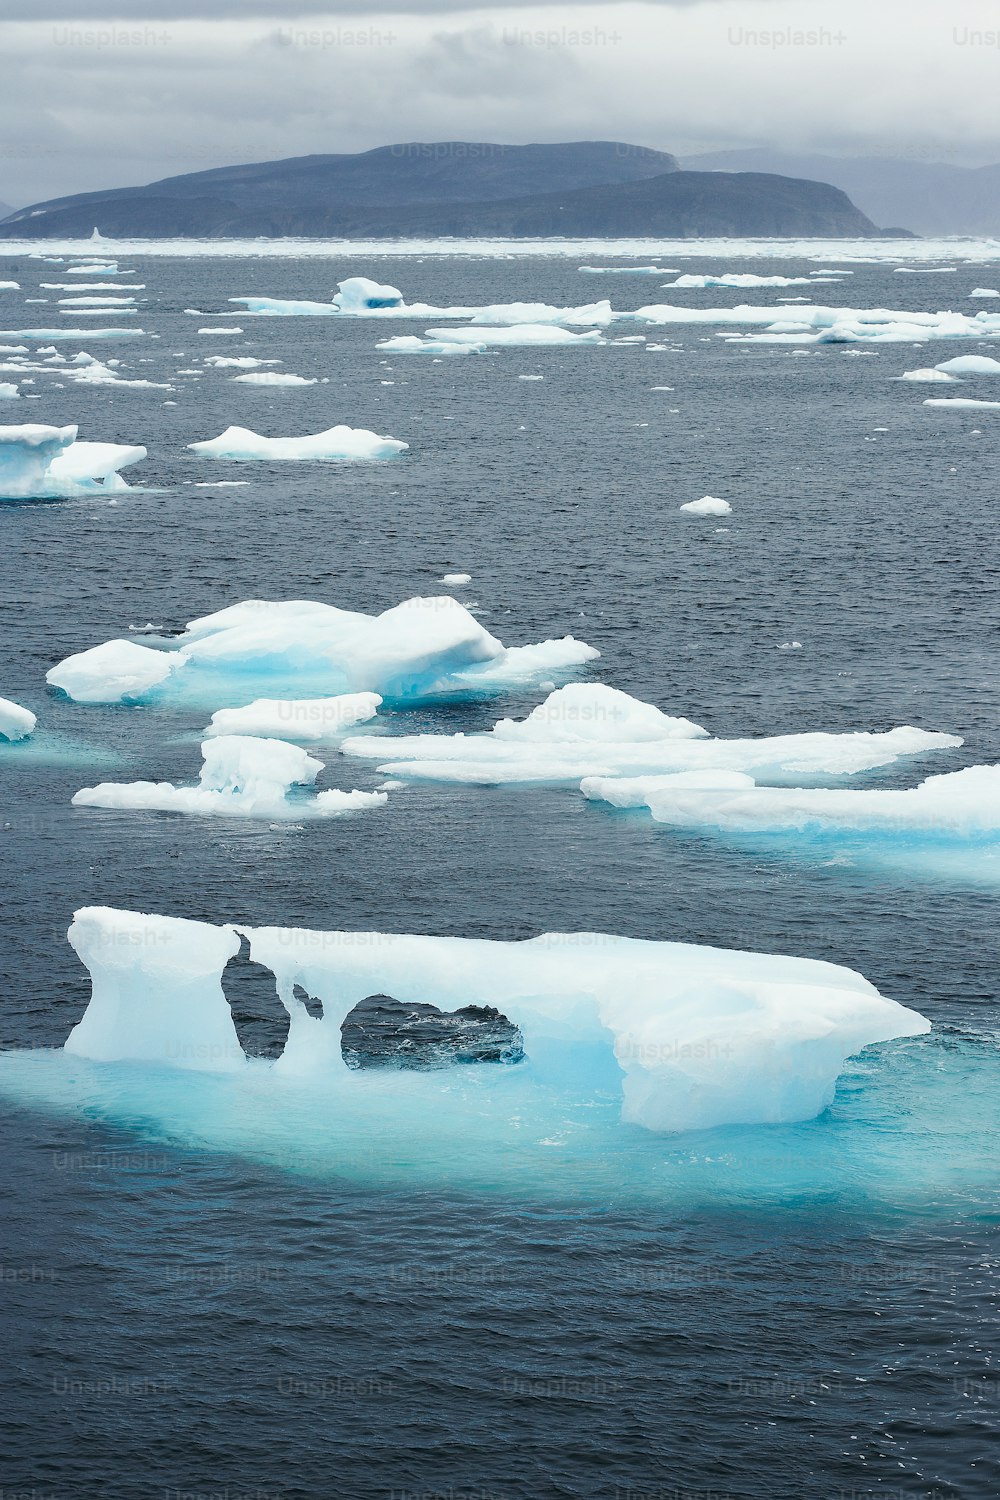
685,1037
422,648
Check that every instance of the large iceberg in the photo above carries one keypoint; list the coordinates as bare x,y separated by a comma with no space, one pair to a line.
422,648
964,804
688,1037
587,729
336,445
242,777
40,462
16,723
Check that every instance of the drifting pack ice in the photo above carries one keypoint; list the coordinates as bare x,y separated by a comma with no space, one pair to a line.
242,777
422,648
43,463
589,729
689,1037
336,445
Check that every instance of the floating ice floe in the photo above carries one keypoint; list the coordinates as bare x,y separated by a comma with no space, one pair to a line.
962,403
688,1037
220,330
422,648
237,362
597,314
628,270
708,505
40,462
50,335
93,268
984,291
242,777
822,325
740,279
589,729
310,721
336,445
272,378
535,334
456,580
970,364
8,391
16,723
927,376
102,303
411,344
959,803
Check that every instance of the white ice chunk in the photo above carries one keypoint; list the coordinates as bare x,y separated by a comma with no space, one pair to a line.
927,376
962,403
964,803
243,776
335,445
301,720
8,391
708,505
587,729
970,364
690,1037
539,335
16,723
40,462
157,992
420,648
114,672
456,580
271,378
410,344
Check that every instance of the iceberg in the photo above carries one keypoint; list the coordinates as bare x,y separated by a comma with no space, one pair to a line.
242,777
589,729
595,313
687,1037
301,720
49,335
336,445
16,723
708,505
422,648
970,364
40,462
8,391
964,804
456,580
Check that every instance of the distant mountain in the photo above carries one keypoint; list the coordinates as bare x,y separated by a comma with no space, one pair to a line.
929,197
5,209
456,188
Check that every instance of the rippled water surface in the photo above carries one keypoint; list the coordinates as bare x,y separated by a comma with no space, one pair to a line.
426,1296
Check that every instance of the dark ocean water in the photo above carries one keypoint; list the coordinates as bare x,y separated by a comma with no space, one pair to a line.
182,1321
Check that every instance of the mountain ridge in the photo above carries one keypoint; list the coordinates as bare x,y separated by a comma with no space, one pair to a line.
455,188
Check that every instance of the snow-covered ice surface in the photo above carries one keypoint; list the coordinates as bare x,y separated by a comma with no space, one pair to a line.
422,648
243,776
587,729
339,444
682,1037
40,462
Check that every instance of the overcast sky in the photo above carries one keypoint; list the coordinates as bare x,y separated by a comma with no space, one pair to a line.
101,93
